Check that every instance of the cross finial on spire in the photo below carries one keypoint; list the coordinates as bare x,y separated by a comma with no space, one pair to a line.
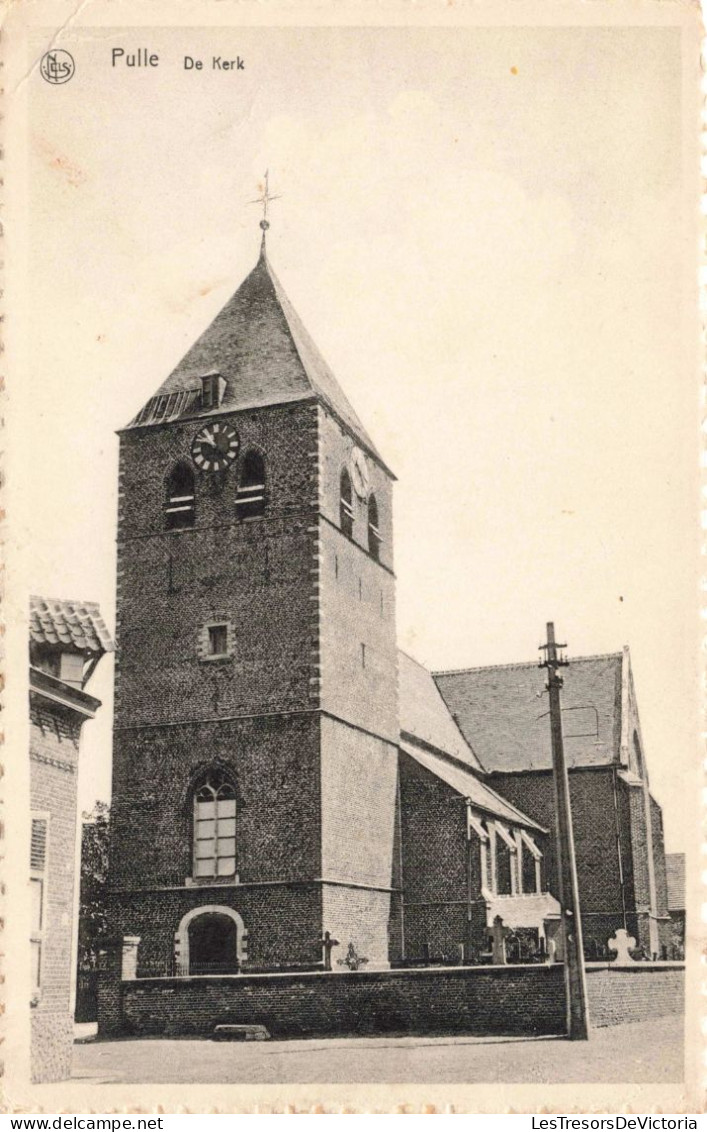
264,199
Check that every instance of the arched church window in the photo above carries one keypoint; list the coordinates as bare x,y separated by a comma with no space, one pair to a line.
250,496
374,536
215,827
346,511
180,508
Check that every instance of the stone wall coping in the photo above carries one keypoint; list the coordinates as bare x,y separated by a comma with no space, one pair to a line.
638,965
508,969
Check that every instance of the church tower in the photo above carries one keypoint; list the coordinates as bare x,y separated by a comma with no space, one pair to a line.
256,711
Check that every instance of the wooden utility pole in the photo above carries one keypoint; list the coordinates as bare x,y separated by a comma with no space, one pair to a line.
575,981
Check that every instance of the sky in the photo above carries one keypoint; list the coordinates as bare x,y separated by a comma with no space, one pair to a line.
487,234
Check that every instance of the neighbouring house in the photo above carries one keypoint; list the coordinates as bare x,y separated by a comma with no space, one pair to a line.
675,869
67,640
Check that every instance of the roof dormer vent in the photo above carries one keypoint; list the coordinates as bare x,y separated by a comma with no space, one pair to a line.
213,387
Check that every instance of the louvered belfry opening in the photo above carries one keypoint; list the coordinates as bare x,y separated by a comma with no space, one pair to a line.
250,496
374,537
180,505
346,511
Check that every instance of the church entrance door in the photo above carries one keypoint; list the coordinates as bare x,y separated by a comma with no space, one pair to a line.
213,945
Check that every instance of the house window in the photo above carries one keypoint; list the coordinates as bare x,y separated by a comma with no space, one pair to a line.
374,538
179,508
346,511
218,640
250,496
38,894
215,827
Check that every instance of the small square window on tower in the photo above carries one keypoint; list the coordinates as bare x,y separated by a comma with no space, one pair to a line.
216,640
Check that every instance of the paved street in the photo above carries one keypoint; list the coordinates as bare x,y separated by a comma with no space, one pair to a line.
642,1052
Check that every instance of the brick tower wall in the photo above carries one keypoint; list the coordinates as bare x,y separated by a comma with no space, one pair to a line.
359,699
253,713
254,574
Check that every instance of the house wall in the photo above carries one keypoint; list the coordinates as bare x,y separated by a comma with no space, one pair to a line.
54,749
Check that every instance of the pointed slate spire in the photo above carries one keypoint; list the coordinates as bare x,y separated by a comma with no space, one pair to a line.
263,354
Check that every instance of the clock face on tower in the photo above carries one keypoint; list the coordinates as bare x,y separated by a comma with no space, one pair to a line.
214,447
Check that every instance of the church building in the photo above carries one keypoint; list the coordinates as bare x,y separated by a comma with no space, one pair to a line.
290,791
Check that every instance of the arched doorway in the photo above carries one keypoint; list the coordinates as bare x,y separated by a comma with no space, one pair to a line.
210,941
213,945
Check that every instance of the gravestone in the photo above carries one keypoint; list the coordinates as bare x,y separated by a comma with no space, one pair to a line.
498,935
327,944
622,944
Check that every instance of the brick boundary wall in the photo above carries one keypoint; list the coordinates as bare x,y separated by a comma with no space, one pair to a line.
519,999
634,993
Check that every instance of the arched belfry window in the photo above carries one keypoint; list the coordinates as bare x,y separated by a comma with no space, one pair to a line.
374,536
179,508
214,826
250,497
346,511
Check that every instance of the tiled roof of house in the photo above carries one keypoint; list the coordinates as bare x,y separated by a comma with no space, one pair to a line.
76,625
258,344
469,786
675,872
502,712
424,714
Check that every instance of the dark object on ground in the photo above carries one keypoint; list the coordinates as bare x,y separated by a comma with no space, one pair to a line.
240,1033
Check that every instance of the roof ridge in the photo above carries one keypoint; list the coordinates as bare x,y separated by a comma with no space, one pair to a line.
67,601
415,660
521,664
302,338
452,716
421,756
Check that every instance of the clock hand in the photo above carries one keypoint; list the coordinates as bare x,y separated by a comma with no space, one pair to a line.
208,437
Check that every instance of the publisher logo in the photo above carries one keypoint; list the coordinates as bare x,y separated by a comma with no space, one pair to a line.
57,67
